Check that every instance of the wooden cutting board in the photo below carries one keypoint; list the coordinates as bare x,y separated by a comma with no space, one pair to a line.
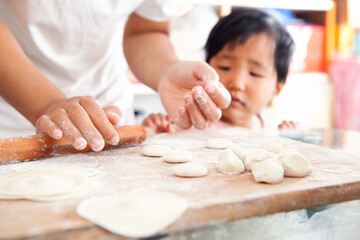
214,198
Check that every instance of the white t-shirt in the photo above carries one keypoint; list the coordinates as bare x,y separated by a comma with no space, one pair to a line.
77,44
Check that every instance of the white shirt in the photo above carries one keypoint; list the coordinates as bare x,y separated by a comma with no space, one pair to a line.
77,44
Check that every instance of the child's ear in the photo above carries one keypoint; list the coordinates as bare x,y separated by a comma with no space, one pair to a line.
279,87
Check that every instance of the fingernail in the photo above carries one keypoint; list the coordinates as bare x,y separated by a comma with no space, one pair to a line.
220,114
58,133
197,88
182,111
80,143
116,116
98,145
115,140
188,99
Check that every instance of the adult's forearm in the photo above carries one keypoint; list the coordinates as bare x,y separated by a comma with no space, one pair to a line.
148,50
21,84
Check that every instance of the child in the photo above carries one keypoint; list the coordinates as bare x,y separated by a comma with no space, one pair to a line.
251,53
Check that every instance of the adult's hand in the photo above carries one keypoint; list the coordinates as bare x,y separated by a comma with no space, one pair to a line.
192,94
82,121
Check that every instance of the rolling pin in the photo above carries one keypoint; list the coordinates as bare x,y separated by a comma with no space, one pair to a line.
42,146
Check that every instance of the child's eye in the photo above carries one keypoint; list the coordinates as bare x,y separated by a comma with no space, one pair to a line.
224,68
254,74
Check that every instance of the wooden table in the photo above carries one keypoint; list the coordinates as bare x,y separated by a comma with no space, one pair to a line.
212,199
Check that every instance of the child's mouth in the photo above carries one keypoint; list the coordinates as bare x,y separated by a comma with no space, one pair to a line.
237,102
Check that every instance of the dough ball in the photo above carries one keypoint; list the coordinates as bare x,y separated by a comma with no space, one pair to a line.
218,143
229,163
294,163
177,156
268,171
190,170
136,214
274,147
155,150
239,153
257,156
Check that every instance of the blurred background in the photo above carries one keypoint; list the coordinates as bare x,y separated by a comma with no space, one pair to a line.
323,86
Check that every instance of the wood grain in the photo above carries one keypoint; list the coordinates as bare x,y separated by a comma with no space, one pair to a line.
212,199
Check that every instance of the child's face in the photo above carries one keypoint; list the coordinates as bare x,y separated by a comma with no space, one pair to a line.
248,73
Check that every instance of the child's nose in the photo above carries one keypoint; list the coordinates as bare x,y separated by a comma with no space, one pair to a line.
238,80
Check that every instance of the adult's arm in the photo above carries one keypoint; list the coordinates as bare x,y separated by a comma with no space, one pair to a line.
22,85
190,90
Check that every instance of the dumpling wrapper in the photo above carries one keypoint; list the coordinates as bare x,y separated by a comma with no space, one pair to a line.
137,214
42,183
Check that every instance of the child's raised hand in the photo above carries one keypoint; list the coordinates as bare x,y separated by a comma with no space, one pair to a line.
192,94
82,121
158,123
288,125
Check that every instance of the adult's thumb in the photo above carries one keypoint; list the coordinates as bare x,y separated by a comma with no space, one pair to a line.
204,73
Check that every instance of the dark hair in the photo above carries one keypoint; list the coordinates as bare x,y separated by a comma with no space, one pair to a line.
240,25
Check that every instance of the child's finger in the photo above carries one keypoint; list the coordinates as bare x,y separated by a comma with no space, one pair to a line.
218,94
157,119
60,117
45,125
171,128
154,119
164,121
293,125
99,120
148,122
206,105
196,117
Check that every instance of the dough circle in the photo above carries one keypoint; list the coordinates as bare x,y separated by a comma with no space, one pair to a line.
218,143
229,163
190,170
177,156
155,150
137,214
43,184
268,171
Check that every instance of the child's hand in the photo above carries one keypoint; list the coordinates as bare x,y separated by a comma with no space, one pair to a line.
82,121
158,123
288,125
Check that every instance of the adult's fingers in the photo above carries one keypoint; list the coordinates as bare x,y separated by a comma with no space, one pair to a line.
100,121
209,79
204,73
45,125
208,108
60,117
113,114
182,118
218,94
80,119
196,117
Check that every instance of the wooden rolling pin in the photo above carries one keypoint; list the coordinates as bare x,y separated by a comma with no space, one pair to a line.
42,146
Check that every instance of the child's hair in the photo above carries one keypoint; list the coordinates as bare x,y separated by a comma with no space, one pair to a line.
240,25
